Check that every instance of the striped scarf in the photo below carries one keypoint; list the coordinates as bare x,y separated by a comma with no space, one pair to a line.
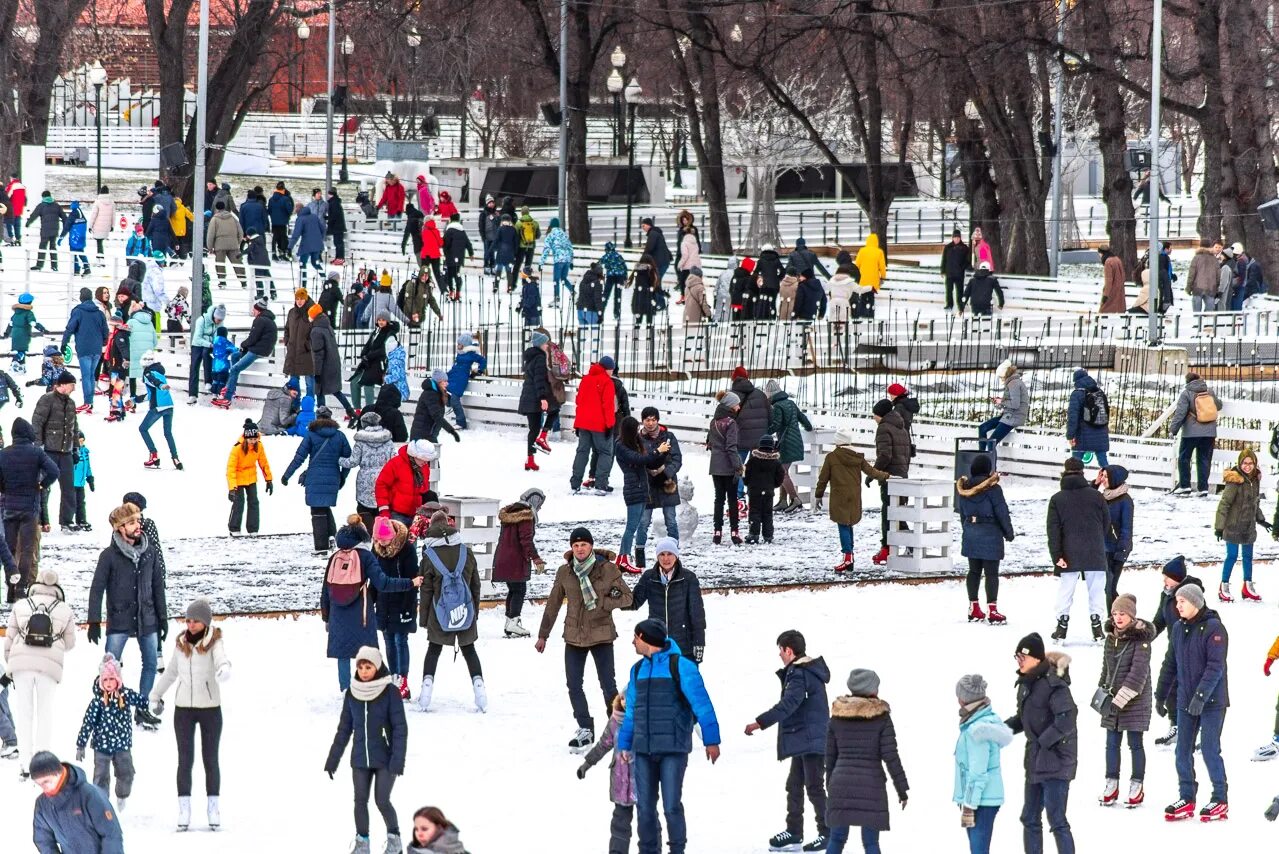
582,569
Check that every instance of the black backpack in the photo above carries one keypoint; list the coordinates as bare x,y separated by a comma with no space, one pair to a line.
1096,408
39,631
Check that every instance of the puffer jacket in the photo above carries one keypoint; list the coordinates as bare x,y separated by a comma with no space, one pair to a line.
677,603
983,513
801,714
297,340
243,463
402,483
842,470
515,548
723,438
54,422
322,447
78,818
371,451
621,788
224,233
658,719
892,445
1125,666
131,578
101,217
1046,712
1239,510
325,361
784,421
979,779
355,625
860,742
583,628
1015,406
446,543
537,383
1120,507
47,661
1077,521
387,405
1082,435
696,308
1198,661
25,469
397,612
108,720
1183,416
378,727
199,665
635,466
142,337
279,413
752,418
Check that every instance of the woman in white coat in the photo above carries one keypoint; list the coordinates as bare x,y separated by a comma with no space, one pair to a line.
102,217
41,629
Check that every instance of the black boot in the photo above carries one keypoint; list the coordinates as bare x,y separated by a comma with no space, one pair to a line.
639,556
320,533
1059,633
1096,628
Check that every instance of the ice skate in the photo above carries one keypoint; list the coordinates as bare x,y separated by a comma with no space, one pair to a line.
817,843
1223,592
394,845
184,812
529,465
625,565
1267,751
221,401
581,740
146,720
215,815
541,444
975,613
1097,633
784,841
1179,810
424,693
1109,793
780,507
1272,811
120,803
1136,794
1179,491
1170,737
515,629
994,616
152,462
1063,624
481,695
401,684
1215,811
1250,592
881,556
360,845
717,538
85,409
8,751
846,564
177,463
639,558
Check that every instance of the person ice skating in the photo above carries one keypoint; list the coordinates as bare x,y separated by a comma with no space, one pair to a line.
752,419
246,457
785,421
1088,420
723,440
152,533
222,356
202,334
983,514
537,400
450,599
1270,749
860,743
26,472
1013,406
1046,713
892,455
979,291
326,360
41,628
1174,578
371,449
515,552
1126,679
21,322
673,595
433,833
979,782
530,305
109,724
298,364
322,449
52,220
843,469
594,422
802,717
71,814
396,612
8,732
664,698
373,721
592,587
1201,644
128,574
370,367
636,463
621,789
763,476
387,405
88,326
56,429
1238,515
82,476
160,408
1077,521
428,415
8,387
1195,418
402,484
1112,481
346,603
663,480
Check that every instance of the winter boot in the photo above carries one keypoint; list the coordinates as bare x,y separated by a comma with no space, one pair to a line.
424,695
541,444
394,845
735,537
1178,810
1097,633
846,564
1223,592
184,812
360,845
1109,793
975,614
881,556
85,409
1059,633
1167,738
1272,811
1267,751
785,841
1215,811
1250,591
215,815
153,461
1136,794
515,629
481,696
402,685
993,615
581,740
639,558
717,537
530,465
625,565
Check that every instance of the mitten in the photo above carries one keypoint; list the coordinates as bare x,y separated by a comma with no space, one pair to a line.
581,771
157,708
967,817
1217,534
230,495
224,673
1269,661
284,481
88,480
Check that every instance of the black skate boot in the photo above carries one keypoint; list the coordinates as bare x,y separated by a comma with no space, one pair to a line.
1096,628
1059,633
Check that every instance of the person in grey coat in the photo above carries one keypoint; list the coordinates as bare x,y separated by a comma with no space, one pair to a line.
1125,674
1014,406
1197,437
327,360
1078,518
723,303
372,449
280,411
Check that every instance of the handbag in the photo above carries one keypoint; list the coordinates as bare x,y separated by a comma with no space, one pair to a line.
302,476
1102,703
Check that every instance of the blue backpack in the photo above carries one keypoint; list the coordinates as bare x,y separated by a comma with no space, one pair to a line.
454,607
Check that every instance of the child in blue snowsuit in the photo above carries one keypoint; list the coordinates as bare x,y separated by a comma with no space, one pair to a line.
222,350
75,228
531,299
82,475
468,362
306,414
50,367
109,721
20,326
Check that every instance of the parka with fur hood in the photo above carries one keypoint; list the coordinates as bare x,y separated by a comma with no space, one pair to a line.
860,743
1046,712
1239,510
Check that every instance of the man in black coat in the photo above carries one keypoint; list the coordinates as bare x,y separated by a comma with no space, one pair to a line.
258,344
803,714
752,418
655,247
128,575
1174,578
428,417
956,260
1046,712
57,431
663,483
337,226
768,279
25,471
674,596
1077,523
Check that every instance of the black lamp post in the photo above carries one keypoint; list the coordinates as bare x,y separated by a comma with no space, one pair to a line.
98,76
348,47
633,92
616,84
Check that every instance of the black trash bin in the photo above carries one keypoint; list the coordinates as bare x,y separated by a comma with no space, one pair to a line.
968,448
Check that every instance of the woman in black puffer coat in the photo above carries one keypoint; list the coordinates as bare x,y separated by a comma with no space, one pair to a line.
983,513
1125,674
635,462
860,743
370,369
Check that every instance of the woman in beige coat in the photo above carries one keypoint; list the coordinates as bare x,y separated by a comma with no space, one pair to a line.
696,308
1113,299
102,217
35,662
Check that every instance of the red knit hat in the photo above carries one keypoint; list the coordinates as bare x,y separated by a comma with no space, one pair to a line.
897,390
739,373
748,264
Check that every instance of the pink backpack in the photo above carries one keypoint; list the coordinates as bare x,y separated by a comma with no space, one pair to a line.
344,577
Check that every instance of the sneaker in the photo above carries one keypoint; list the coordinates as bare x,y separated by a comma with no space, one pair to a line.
1059,633
1167,738
818,843
515,629
1215,811
1267,751
1109,793
581,740
1136,794
785,841
1178,810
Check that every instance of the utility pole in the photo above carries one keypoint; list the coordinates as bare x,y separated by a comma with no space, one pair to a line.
563,176
1156,178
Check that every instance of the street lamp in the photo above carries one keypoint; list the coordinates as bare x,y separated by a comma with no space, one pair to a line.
304,33
98,76
348,48
633,93
615,86
414,38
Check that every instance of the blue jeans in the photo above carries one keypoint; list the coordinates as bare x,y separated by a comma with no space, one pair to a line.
668,515
1232,554
344,673
459,414
1100,456
1207,727
152,416
200,357
741,482
303,259
634,531
397,652
238,364
1000,431
845,538
587,318
1114,739
310,383
979,835
665,770
88,376
560,276
1050,795
8,735
79,260
13,228
1201,448
150,656
839,837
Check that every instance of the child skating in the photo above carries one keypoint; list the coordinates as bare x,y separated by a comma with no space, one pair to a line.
764,475
222,350
116,362
450,594
9,387
108,722
621,789
842,470
160,409
20,326
247,456
82,476
52,364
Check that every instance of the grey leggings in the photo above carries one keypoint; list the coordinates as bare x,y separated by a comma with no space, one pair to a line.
379,781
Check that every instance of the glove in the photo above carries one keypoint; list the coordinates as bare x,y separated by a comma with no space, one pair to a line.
1196,706
79,754
1162,708
95,632
699,652
5,681
1272,811
457,437
1123,697
1218,535
581,771
1269,527
869,480
157,708
330,773
270,488
1269,661
967,817
284,481
88,480
163,631
819,505
230,495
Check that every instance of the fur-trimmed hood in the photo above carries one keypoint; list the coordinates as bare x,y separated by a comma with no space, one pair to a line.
600,554
372,435
962,487
211,636
1138,630
320,423
847,706
765,455
513,514
391,549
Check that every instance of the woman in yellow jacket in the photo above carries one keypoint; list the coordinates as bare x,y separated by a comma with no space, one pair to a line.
871,270
178,222
247,455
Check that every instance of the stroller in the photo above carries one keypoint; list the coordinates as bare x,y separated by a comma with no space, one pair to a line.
366,204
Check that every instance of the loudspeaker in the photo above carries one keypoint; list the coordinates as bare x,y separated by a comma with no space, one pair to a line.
173,156
552,113
1269,213
339,97
1137,159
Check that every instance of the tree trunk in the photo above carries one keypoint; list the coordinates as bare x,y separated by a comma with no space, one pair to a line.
10,114
55,19
763,223
169,35
580,63
980,190
1212,124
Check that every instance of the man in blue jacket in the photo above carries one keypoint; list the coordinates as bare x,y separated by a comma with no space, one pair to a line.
804,715
1088,419
72,814
253,213
666,696
1199,643
89,327
279,209
308,241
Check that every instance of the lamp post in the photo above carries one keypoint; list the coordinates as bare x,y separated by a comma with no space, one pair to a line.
304,33
633,93
348,48
616,84
98,76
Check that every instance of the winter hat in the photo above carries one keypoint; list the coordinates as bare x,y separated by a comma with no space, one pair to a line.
897,390
136,499
301,293
370,419
534,498
981,466
772,387
984,265
250,429
221,206
25,299
1193,594
109,669
1125,603
581,534
466,340
200,611
85,295
667,544
1073,466
1032,645
260,304
844,257
1078,375
45,764
123,514
66,378
383,530
970,688
843,437
882,408
219,313
748,264
555,223
323,412
740,373
652,632
537,339
730,399
352,533
1176,569
292,384
956,233
863,683
371,654
608,364
767,442
423,449
439,376
314,311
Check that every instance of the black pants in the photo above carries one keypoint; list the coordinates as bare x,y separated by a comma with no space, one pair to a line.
280,240
49,245
575,672
322,527
1201,447
244,495
379,781
976,567
619,829
515,593
725,490
22,532
806,772
81,512
883,514
761,514
339,245
66,489
452,277
613,286
367,514
433,658
185,720
954,290
122,762
536,425
1114,568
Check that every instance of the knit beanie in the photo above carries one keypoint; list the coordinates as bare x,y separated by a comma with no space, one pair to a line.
423,449
897,390
730,399
980,466
537,339
652,632
581,534
109,669
439,376
383,530
863,683
250,429
352,533
1176,569
739,373
1125,603
771,388
314,311
882,408
371,654
137,499
970,688
1032,645
200,611
667,544
370,419
1193,594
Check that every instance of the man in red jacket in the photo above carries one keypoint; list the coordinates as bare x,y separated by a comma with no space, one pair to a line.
596,415
402,484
